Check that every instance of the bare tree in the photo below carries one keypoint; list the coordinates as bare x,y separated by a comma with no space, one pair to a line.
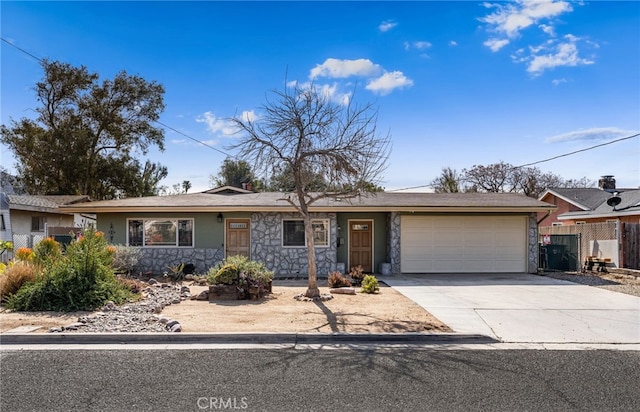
308,133
494,178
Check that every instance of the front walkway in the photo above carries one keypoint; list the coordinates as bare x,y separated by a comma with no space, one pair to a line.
524,308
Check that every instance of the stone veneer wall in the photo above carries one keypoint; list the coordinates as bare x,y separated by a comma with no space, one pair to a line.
266,245
393,245
532,264
158,260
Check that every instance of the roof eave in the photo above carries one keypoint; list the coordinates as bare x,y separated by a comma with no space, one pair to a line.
315,209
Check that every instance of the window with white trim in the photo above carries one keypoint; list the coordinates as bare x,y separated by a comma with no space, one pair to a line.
160,232
556,224
293,232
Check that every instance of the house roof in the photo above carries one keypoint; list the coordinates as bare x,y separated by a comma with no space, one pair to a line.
584,198
629,206
44,203
276,202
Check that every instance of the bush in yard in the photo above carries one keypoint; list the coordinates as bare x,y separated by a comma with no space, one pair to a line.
24,254
241,272
14,277
337,280
369,284
357,274
126,258
47,252
82,280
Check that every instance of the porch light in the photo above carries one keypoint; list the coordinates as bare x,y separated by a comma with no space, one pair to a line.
220,218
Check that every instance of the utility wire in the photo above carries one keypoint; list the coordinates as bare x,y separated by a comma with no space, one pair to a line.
578,151
21,49
544,160
157,121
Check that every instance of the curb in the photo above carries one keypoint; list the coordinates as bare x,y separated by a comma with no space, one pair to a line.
240,338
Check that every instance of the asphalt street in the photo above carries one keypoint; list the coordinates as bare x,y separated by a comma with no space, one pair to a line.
406,379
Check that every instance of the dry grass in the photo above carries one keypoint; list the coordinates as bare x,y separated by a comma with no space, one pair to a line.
14,277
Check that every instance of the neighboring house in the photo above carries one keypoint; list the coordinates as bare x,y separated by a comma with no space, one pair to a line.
27,219
589,205
407,232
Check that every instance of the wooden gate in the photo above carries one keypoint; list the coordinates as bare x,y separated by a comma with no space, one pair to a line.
631,245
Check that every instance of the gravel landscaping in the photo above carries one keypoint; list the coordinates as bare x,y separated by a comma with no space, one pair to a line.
616,282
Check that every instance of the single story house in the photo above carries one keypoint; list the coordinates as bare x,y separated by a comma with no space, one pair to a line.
27,219
400,232
577,206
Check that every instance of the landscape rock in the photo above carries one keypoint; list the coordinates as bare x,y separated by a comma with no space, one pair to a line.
343,291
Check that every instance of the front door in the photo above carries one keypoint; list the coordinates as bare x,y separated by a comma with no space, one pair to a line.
360,244
238,237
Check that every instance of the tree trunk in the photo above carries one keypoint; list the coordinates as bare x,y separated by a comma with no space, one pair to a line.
312,287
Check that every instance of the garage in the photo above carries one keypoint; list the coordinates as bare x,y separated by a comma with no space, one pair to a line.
463,243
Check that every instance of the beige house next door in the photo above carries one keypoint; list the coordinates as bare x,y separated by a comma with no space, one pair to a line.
238,237
361,244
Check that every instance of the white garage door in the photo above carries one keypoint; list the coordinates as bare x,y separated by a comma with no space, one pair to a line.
463,244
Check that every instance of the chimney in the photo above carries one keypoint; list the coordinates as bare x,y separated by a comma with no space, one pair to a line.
607,182
250,186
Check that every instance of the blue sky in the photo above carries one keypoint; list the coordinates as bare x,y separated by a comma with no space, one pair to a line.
456,83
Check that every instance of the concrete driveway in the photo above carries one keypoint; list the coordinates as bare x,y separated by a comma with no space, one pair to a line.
524,308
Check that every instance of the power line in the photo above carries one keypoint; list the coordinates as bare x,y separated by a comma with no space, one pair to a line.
578,151
157,121
545,160
21,49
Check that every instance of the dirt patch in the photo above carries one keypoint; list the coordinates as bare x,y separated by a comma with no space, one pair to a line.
384,312
616,282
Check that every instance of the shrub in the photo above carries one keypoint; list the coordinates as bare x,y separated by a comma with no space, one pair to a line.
47,251
242,272
82,280
226,275
337,280
24,254
14,277
370,284
126,258
357,273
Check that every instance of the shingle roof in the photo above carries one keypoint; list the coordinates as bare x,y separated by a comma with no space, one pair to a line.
266,201
44,203
596,203
588,198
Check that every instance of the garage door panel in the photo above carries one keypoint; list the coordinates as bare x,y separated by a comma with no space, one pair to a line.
458,244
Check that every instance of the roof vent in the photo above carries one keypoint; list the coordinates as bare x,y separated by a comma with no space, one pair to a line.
607,182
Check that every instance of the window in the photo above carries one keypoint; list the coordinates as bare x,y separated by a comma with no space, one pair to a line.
160,232
37,223
293,233
556,224
580,222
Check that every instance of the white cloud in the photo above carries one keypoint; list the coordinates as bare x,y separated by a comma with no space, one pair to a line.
562,54
387,25
496,44
512,17
389,81
453,43
596,133
557,82
550,30
216,124
337,68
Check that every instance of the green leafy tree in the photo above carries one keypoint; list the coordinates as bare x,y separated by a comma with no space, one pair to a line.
86,134
234,173
306,132
448,182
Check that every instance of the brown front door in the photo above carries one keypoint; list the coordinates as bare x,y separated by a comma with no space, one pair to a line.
238,237
360,244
